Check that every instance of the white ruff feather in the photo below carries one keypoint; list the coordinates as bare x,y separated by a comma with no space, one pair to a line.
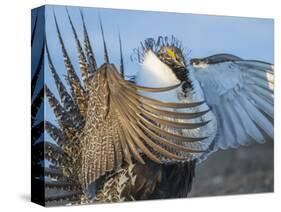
155,73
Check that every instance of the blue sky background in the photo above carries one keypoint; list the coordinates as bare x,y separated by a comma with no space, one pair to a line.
203,35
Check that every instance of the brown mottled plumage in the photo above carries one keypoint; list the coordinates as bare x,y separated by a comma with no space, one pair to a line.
110,134
117,123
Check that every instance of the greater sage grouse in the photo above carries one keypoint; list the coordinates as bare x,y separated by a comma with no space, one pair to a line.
138,139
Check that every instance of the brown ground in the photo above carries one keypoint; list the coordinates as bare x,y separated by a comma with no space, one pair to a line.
236,171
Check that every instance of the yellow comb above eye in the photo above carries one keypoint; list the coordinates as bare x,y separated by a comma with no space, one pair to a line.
171,53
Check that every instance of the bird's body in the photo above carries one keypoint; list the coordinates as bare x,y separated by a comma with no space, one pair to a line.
226,78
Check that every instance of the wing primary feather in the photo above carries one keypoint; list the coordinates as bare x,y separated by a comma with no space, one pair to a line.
263,77
229,127
154,118
227,132
257,116
170,135
136,140
125,135
261,83
132,116
221,140
239,132
125,148
250,128
165,113
117,150
155,146
261,103
262,92
159,103
154,102
257,65
177,115
166,142
132,146
173,124
241,95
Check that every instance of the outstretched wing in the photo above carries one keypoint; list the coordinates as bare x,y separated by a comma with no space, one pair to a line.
122,124
240,93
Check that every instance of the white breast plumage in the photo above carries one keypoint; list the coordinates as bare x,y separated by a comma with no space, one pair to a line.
155,73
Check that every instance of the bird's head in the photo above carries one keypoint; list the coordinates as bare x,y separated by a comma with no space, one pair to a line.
173,57
165,58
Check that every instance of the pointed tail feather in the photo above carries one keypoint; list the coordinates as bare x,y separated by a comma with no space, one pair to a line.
121,58
88,48
77,90
106,58
82,58
67,101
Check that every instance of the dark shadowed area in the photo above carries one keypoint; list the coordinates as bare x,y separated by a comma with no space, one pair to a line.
236,171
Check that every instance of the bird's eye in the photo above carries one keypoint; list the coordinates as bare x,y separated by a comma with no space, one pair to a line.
168,56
